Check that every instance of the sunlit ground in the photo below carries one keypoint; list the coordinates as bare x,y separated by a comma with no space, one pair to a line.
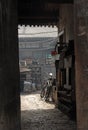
36,114
34,102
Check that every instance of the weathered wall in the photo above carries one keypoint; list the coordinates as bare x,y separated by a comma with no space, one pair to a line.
66,21
81,60
9,69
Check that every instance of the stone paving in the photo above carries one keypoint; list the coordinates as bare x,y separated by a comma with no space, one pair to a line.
36,114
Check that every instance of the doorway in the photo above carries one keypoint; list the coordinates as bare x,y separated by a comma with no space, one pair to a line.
36,63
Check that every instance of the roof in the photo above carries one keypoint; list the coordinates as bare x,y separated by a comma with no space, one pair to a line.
37,42
39,12
35,39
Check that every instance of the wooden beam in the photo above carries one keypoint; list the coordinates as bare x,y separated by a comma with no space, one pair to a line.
60,1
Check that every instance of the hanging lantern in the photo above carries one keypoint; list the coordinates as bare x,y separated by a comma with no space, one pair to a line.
53,53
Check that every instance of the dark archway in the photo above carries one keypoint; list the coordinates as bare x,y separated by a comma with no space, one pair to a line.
9,66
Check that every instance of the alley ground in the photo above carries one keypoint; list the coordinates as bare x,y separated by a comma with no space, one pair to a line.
36,114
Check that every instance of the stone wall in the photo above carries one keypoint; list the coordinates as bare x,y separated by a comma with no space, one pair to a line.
9,69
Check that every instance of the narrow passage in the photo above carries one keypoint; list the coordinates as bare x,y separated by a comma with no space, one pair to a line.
36,114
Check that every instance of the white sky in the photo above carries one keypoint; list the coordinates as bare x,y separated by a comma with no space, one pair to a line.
37,31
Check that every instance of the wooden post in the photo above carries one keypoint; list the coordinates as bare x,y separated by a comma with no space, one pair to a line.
9,67
81,62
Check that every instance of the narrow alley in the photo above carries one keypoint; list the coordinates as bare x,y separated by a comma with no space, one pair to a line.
36,114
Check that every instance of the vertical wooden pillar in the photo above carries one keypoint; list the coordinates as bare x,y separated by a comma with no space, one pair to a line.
9,67
81,62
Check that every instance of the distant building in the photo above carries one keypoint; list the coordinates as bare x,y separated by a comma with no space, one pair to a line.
23,77
38,50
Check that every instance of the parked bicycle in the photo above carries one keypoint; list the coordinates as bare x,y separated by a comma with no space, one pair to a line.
46,92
